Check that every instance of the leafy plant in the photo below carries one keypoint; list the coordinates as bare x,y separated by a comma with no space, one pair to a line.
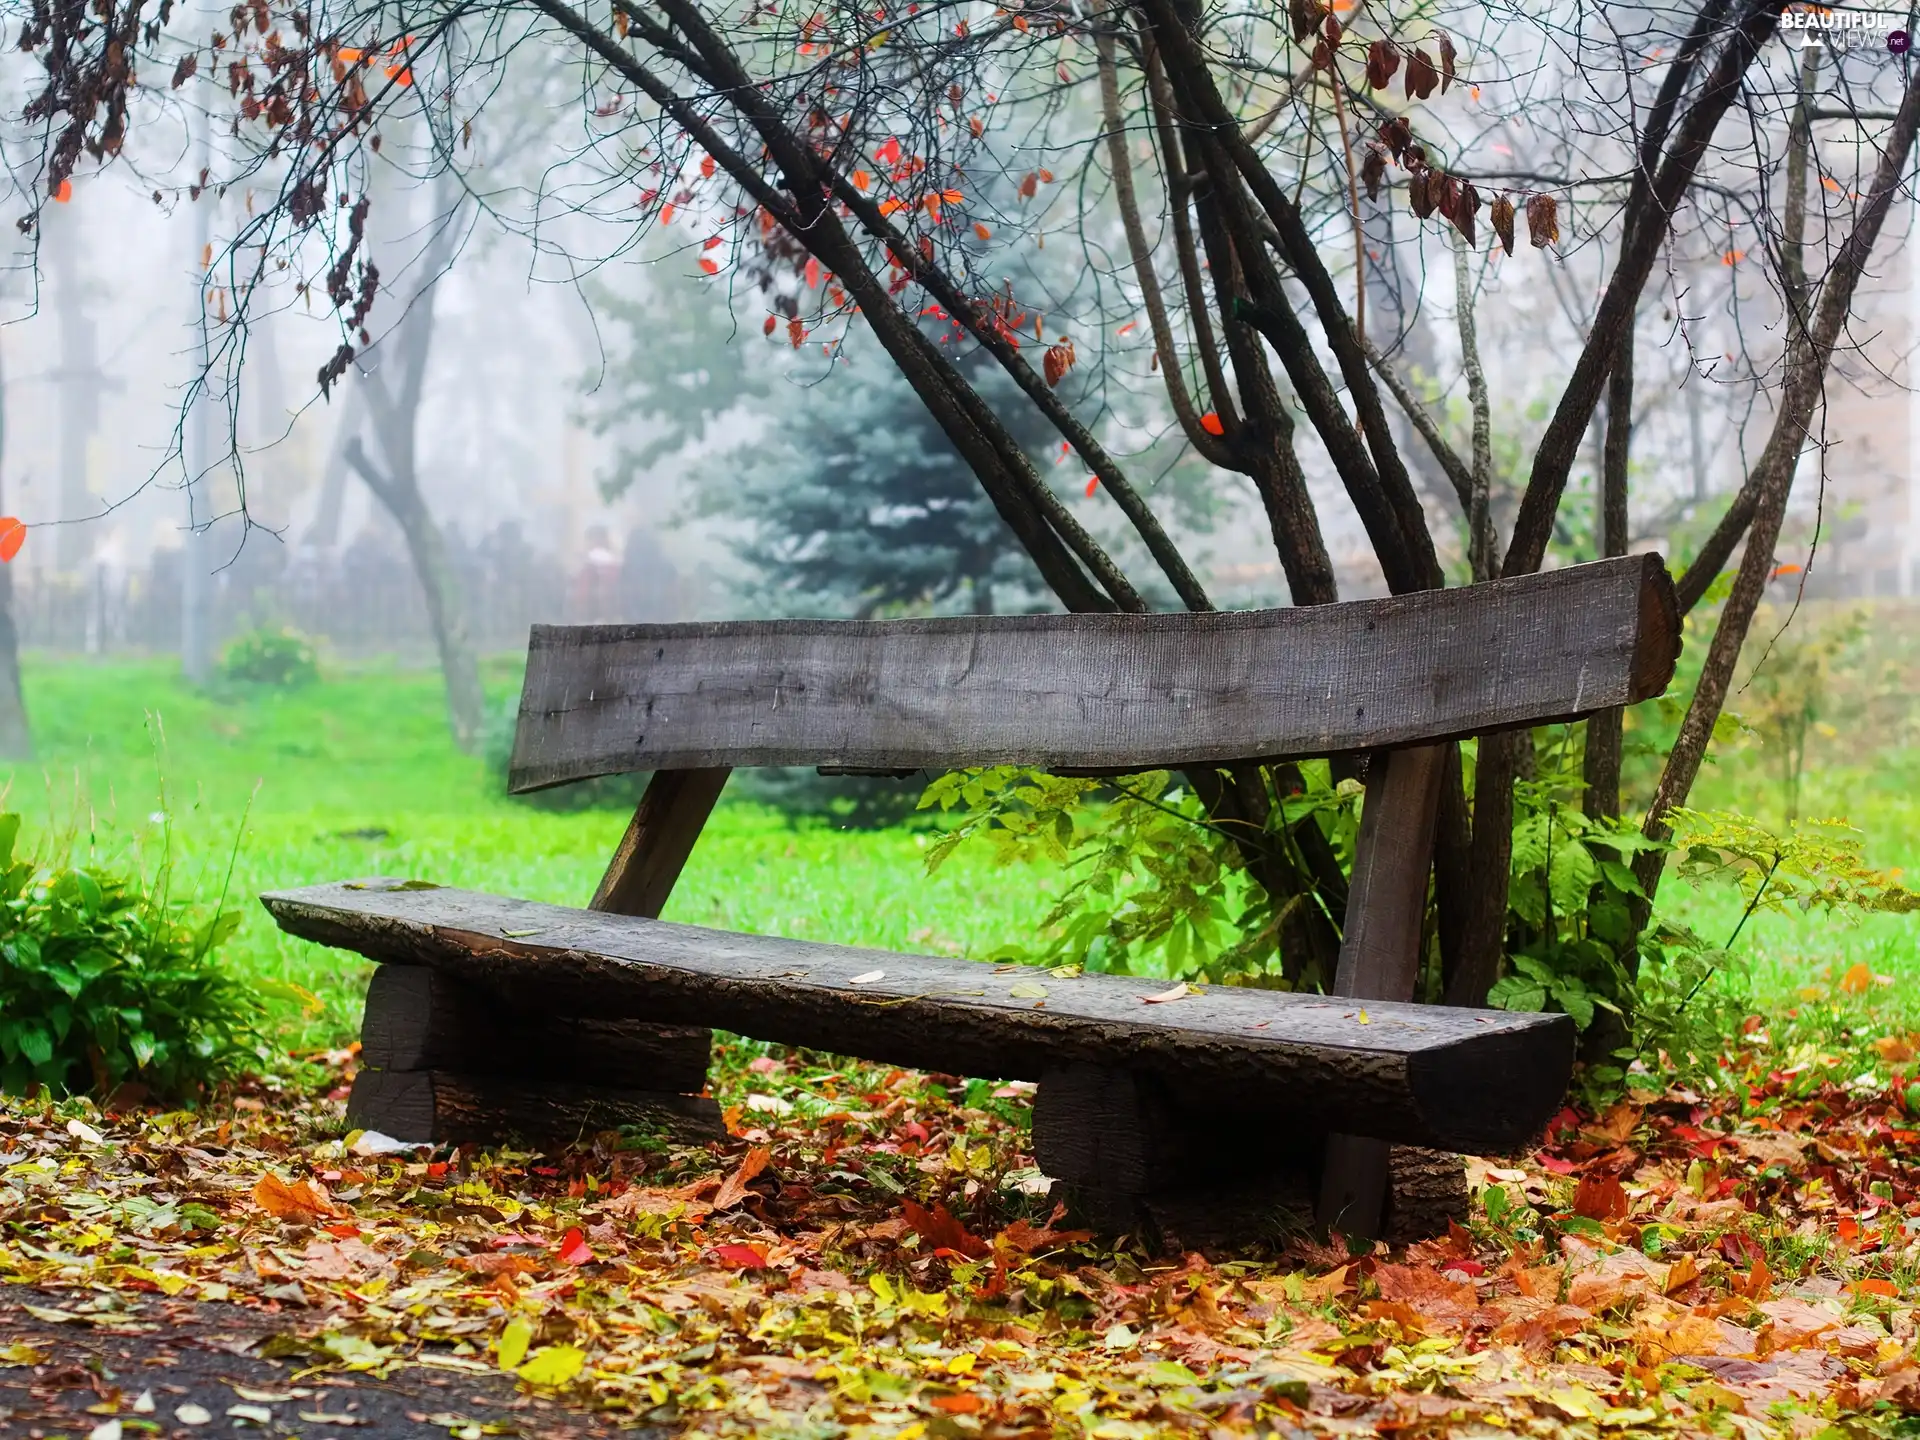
103,981
1155,885
1569,905
271,655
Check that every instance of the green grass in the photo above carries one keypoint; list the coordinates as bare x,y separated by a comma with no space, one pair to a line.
357,777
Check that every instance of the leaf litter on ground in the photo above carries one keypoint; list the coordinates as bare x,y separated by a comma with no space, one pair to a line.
878,1258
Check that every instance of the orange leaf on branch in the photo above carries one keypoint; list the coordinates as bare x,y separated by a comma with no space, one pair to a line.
1212,424
1057,361
13,535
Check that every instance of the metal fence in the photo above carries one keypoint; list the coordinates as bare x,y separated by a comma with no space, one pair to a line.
361,600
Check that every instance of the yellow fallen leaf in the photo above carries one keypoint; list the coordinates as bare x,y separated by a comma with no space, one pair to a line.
553,1365
513,1344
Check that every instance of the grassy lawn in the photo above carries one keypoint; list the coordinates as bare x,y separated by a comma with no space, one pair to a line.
357,777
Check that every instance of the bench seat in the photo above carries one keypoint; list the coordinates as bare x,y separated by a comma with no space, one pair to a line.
1453,1079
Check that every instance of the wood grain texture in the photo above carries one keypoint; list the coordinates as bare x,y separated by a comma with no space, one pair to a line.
418,1018
1469,1080
1101,692
450,1108
668,820
1380,952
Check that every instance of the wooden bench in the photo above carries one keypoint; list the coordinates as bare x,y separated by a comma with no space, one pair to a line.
492,1016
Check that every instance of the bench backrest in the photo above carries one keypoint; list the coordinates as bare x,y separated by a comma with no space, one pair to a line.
1104,692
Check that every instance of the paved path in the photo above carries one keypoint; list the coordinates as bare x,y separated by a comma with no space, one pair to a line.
67,1377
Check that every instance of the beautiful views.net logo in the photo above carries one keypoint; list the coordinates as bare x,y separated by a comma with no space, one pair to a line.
1813,27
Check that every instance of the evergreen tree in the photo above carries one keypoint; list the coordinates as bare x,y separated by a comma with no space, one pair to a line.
853,502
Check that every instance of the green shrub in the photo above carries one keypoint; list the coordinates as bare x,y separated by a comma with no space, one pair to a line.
271,656
103,982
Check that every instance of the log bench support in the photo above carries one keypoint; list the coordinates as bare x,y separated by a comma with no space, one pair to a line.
1226,1114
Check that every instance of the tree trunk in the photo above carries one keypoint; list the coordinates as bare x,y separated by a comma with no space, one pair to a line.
1605,731
399,492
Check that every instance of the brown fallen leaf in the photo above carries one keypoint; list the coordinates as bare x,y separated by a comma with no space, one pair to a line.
1617,1277
1793,1323
734,1188
1444,1302
306,1201
1536,1326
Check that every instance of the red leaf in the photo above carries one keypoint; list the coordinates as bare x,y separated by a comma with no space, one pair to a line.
63,192
711,267
12,536
889,153
712,242
574,1249
1211,423
1093,484
942,1231
740,1257
813,273
706,167
772,320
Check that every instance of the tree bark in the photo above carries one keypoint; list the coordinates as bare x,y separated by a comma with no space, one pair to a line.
1606,730
399,492
394,410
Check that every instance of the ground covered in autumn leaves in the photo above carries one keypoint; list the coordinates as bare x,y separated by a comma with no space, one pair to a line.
874,1255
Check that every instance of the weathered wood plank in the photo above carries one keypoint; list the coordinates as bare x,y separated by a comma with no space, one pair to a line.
668,820
418,1018
1097,692
1380,952
1430,1075
449,1108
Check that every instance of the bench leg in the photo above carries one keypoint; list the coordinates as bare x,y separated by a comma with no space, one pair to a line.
1133,1156
1380,955
666,823
444,1061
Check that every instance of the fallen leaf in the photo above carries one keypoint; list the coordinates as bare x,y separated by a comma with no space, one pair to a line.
740,1257
942,1231
1165,997
734,1188
306,1201
868,978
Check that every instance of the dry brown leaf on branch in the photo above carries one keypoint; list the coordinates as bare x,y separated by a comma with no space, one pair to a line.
1502,216
1543,220
1382,60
